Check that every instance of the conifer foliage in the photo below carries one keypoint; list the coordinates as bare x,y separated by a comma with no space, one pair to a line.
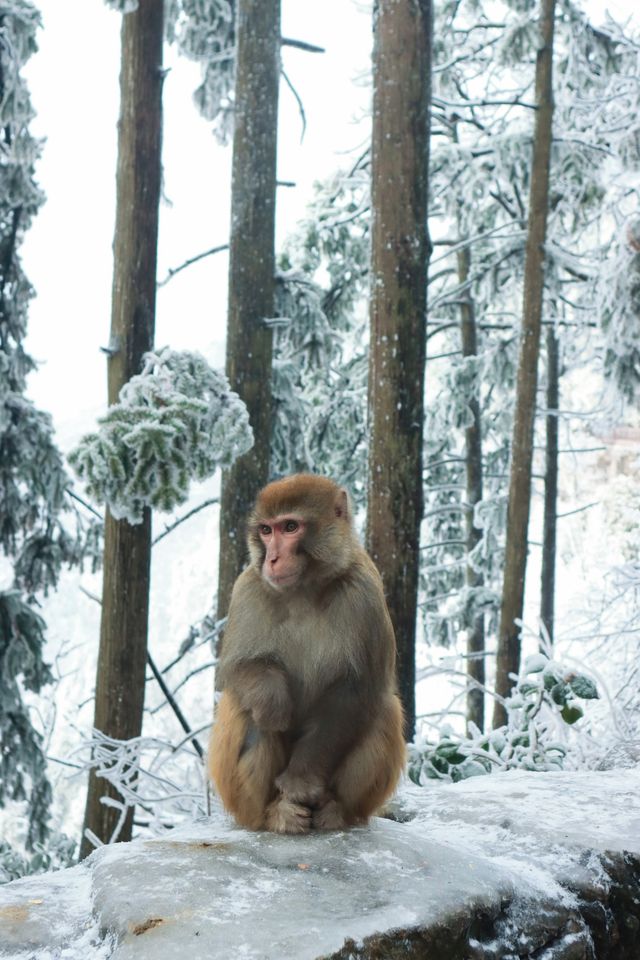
203,31
176,421
32,477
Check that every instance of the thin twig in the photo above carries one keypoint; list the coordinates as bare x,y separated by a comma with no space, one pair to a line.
84,503
301,45
298,100
174,706
65,763
578,509
176,523
183,266
92,596
165,689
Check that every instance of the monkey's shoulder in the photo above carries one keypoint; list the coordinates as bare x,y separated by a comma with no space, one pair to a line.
360,584
248,588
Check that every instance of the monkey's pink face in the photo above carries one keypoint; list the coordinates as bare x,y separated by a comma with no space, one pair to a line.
284,561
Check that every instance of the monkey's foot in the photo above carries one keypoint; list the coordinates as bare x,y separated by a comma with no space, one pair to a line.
283,816
303,790
329,817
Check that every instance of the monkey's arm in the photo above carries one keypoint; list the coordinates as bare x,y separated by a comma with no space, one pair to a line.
261,688
256,678
331,728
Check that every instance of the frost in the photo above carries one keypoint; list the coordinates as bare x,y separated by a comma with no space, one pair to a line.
540,705
204,31
535,663
176,421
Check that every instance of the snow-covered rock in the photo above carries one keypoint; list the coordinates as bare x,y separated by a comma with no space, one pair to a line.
505,866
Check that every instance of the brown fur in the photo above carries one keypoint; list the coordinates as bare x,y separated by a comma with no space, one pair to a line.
308,729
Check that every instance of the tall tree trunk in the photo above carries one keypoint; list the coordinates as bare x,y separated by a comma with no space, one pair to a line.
127,551
548,585
251,269
508,653
399,257
473,466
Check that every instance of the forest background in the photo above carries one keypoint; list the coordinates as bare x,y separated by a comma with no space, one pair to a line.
67,257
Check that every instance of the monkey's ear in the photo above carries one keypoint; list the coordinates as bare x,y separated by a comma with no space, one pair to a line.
342,505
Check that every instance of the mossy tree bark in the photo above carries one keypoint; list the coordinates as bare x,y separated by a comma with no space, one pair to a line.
120,678
251,269
399,258
512,604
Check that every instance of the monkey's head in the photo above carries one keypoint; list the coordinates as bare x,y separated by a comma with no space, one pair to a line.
301,526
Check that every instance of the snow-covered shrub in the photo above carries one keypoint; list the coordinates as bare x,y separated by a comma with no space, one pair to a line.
543,701
176,421
165,782
56,854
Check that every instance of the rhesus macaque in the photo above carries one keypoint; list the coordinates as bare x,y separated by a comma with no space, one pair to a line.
308,729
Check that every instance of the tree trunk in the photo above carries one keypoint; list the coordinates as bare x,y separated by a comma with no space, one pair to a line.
127,551
548,586
508,653
473,466
400,253
251,269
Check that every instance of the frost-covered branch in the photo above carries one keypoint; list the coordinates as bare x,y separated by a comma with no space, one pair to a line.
168,782
175,422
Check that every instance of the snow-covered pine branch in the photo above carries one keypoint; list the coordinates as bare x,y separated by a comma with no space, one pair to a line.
175,422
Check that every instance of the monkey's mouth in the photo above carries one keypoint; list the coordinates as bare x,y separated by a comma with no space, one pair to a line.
282,580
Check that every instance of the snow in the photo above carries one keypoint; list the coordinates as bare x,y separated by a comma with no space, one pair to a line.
212,889
548,818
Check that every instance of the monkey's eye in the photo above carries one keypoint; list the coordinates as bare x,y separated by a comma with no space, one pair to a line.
264,529
291,526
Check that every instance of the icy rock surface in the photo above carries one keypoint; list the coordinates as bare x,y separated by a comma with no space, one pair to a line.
506,866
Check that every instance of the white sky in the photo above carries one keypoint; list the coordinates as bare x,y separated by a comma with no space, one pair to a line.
67,254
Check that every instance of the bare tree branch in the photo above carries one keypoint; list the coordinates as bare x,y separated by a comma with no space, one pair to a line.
84,503
176,523
301,45
298,100
174,706
200,256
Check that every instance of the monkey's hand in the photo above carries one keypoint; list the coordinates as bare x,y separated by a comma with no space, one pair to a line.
272,710
307,789
263,691
270,702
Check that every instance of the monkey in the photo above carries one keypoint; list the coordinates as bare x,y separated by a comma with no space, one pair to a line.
308,730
